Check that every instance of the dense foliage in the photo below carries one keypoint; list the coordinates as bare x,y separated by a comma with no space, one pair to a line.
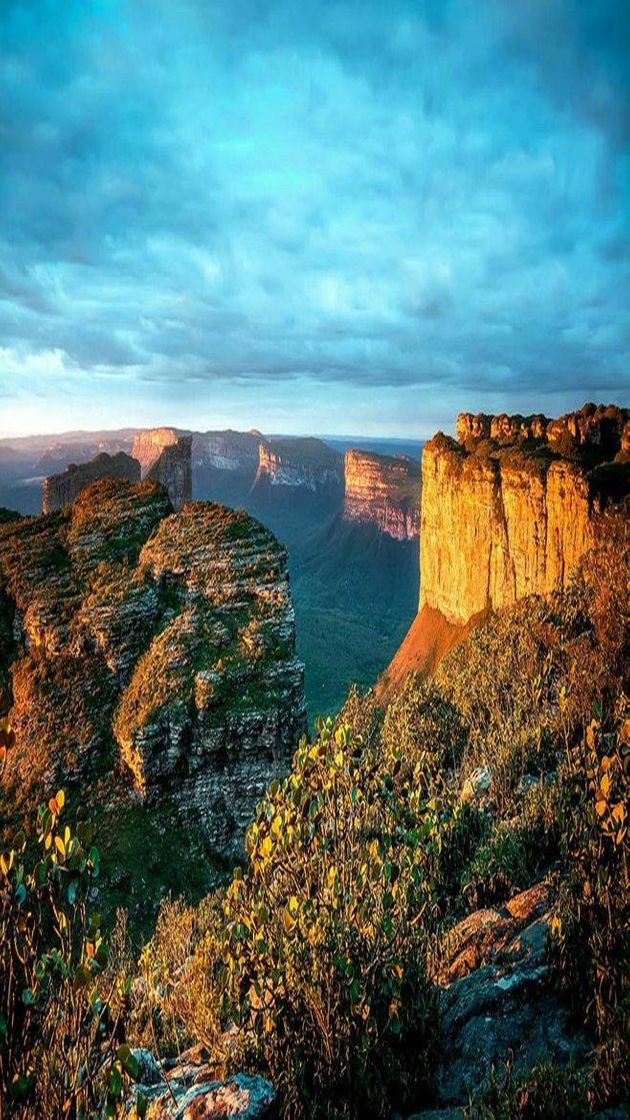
62,1048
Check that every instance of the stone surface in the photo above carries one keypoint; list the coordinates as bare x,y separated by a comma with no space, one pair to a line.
165,456
188,1091
508,511
383,490
227,451
170,634
61,489
497,999
301,462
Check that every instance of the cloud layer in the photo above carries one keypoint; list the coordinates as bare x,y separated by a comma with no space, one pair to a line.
316,216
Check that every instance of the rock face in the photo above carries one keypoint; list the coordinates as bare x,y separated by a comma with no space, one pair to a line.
61,489
383,490
227,451
188,1091
306,463
169,635
508,511
497,1000
165,456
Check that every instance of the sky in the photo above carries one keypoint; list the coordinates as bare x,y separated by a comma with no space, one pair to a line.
309,215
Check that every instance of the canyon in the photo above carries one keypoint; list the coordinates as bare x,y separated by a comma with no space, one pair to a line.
300,462
153,647
509,509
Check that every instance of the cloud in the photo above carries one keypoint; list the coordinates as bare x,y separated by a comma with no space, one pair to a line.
419,204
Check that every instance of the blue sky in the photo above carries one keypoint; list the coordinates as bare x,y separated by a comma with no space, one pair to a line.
311,216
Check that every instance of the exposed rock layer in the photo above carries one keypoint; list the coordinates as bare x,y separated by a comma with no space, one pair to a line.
306,463
61,489
169,634
227,451
165,456
508,511
383,490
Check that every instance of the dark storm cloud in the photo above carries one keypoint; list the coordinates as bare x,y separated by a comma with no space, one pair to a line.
319,197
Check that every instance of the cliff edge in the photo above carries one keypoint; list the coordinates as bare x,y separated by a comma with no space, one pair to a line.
383,490
508,510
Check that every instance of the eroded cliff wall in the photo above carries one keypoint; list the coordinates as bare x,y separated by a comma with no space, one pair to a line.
61,489
167,637
300,463
508,510
384,491
165,456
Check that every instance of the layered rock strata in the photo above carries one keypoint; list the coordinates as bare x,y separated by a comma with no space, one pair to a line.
384,491
227,451
300,463
169,635
509,510
165,456
61,489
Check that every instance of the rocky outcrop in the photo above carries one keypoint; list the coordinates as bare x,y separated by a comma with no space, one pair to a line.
499,525
304,463
170,635
187,1090
509,510
497,999
384,491
165,456
61,489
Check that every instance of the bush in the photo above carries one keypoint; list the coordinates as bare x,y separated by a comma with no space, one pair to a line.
589,946
62,1051
547,1092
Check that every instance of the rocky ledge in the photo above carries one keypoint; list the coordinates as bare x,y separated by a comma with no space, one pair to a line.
168,637
165,456
384,491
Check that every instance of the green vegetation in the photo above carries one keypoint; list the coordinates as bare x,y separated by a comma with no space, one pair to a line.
62,1049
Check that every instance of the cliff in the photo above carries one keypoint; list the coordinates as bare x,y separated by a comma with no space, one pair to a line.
300,462
227,451
165,456
384,491
153,643
508,511
61,489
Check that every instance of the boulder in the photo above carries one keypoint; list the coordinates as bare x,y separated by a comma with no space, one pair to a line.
497,1000
189,1091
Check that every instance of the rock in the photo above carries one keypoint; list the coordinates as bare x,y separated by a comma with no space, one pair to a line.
189,1092
300,462
61,489
497,1000
169,636
227,451
383,490
477,785
509,511
528,782
148,1069
165,456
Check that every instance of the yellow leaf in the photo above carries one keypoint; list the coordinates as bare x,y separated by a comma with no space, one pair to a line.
60,799
601,807
60,846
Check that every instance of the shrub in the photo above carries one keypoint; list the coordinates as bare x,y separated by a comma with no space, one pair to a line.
546,1092
62,1051
589,946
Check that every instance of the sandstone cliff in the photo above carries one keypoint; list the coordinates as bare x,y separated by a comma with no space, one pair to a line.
165,456
158,643
508,511
227,451
384,491
301,462
61,489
